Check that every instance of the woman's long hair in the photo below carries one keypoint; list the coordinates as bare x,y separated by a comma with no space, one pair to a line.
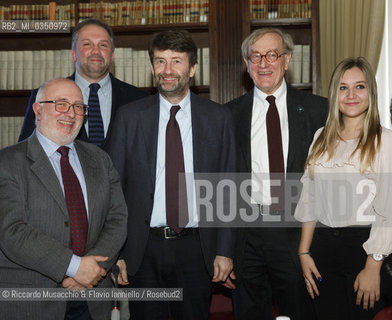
332,132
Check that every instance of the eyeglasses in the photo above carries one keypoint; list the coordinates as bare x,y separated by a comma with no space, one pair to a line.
271,56
64,106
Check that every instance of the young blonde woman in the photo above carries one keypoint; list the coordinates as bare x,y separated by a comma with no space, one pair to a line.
346,201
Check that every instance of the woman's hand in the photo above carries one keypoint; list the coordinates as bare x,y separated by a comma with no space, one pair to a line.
367,284
309,270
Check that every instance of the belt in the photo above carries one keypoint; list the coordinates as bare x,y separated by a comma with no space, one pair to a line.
169,233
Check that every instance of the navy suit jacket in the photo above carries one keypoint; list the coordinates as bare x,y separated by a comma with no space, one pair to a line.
134,154
122,93
306,113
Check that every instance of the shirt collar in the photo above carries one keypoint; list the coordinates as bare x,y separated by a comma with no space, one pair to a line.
84,84
278,94
185,104
49,146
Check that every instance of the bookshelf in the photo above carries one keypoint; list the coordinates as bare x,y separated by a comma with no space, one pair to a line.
229,22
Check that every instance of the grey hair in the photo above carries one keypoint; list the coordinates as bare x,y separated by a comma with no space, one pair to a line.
287,40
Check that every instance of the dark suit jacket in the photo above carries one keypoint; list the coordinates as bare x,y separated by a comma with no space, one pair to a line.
134,154
34,224
306,113
122,93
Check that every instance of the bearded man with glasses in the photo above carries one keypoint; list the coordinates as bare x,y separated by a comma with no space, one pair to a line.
63,214
274,124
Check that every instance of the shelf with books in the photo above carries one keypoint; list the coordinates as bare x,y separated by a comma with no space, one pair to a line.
299,18
283,22
127,38
150,28
229,22
276,9
113,12
144,12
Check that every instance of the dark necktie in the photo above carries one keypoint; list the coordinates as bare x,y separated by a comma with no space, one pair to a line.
176,201
75,204
275,153
95,123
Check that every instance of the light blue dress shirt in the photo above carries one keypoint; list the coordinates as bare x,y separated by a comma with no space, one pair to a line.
104,96
184,119
50,149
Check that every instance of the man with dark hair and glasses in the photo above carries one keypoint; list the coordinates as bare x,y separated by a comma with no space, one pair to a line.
274,125
93,52
63,214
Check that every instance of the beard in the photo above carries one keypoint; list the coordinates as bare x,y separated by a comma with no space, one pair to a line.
175,89
94,68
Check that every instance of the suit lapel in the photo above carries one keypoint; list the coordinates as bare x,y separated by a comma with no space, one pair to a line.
116,96
92,176
243,129
295,113
198,132
43,169
149,122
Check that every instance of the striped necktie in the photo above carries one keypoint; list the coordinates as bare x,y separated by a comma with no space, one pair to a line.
95,123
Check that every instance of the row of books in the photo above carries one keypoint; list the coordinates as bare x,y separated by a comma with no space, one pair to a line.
134,67
39,12
279,9
119,13
9,130
146,11
299,68
29,69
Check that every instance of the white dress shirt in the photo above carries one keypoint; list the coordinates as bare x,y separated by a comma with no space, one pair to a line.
261,191
184,119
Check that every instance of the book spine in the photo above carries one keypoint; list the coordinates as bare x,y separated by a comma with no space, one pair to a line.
52,10
11,70
128,65
306,78
206,66
3,70
28,69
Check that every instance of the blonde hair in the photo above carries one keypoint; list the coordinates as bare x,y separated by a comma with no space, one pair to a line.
332,132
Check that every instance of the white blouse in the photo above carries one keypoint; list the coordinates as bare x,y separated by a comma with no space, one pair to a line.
340,196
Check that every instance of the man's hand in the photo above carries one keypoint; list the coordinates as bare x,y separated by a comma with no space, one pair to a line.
90,272
223,271
71,283
122,275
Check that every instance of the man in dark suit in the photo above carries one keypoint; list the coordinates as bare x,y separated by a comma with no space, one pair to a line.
63,216
266,263
92,52
158,252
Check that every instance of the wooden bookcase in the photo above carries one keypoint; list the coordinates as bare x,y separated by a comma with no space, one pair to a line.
228,24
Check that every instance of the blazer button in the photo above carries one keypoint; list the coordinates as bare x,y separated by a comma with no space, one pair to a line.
66,224
151,196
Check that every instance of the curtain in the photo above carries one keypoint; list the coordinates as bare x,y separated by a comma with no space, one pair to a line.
349,28
384,71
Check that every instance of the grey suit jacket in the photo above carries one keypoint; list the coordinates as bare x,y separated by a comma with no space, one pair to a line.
35,227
